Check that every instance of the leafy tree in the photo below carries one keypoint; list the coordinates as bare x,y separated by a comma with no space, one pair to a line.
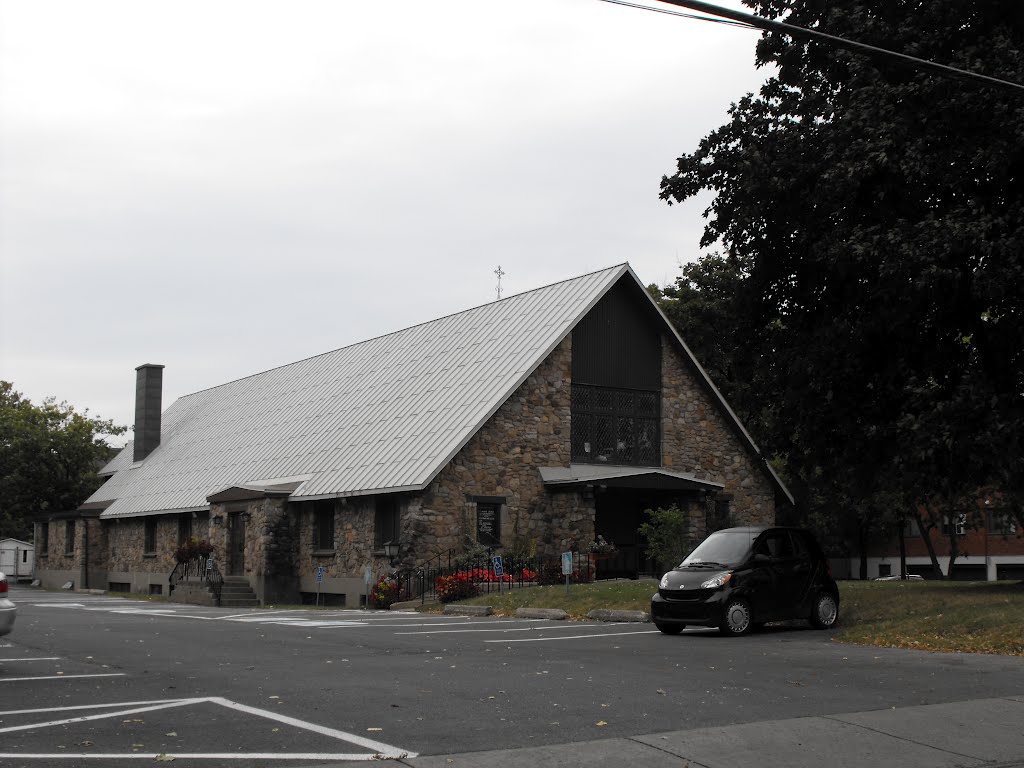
49,455
877,213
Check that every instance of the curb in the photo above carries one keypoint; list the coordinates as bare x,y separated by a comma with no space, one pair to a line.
556,614
410,604
468,610
604,614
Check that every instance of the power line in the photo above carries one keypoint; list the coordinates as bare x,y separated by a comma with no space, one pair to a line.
667,12
748,19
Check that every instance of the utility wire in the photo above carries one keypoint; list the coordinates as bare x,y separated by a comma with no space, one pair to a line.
748,19
667,12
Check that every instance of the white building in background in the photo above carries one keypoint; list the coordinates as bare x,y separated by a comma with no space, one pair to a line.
17,559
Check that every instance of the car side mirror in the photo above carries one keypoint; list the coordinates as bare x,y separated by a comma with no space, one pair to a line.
762,558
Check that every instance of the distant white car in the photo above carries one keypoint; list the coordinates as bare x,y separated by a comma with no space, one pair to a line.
7,609
908,577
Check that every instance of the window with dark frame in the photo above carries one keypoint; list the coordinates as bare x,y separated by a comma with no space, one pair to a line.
323,524
488,524
69,537
616,426
1000,523
957,525
44,538
149,544
386,521
184,528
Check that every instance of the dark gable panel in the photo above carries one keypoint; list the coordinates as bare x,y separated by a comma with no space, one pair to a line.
618,344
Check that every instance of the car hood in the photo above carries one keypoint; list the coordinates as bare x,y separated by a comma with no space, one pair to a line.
691,578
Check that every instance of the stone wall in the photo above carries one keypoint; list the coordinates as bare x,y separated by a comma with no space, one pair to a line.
530,430
697,438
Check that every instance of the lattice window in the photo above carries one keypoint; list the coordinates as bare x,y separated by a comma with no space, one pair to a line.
615,426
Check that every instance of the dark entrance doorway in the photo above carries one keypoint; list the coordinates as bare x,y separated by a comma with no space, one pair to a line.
236,543
618,515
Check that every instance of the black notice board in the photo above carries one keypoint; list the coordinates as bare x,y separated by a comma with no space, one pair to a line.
488,524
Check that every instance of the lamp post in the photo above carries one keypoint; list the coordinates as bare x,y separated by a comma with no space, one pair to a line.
391,550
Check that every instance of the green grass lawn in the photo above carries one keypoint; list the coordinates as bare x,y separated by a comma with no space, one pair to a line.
936,616
979,617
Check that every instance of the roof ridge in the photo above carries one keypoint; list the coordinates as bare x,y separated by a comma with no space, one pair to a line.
407,328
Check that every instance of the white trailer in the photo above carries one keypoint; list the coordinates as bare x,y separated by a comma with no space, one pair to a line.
17,559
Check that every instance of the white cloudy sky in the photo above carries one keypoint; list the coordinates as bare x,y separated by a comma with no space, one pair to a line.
228,186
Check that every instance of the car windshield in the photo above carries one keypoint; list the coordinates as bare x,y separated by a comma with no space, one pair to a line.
721,548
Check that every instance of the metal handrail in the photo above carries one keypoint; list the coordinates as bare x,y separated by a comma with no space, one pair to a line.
203,568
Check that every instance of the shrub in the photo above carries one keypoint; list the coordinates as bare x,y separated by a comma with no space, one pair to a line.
668,534
458,586
386,592
193,549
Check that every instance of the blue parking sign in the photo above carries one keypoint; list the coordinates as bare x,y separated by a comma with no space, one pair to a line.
498,570
319,574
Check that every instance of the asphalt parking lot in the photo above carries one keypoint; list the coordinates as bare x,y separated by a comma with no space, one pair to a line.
89,678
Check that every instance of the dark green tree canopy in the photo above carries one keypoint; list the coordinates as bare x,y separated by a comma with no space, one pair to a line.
876,215
49,456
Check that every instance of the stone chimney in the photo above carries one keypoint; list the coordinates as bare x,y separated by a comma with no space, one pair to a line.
149,384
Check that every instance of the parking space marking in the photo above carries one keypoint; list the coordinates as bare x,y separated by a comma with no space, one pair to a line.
58,677
542,627
380,750
101,716
575,637
40,658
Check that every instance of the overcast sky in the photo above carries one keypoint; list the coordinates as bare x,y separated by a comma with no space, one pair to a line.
225,187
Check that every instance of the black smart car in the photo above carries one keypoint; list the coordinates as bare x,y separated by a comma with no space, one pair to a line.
739,578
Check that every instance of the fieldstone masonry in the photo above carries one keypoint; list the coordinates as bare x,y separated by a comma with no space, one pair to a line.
502,461
697,438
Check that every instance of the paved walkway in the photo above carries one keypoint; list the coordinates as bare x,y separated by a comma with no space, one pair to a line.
970,733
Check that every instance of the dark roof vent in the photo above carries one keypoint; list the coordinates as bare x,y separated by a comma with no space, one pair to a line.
149,384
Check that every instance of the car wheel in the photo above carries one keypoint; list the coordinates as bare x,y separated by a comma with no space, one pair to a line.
670,629
736,620
825,613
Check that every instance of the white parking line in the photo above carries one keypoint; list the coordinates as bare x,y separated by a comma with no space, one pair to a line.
101,716
573,637
58,677
380,751
40,658
550,625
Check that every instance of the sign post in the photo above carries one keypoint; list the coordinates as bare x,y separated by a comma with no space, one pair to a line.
319,580
499,571
567,568
368,581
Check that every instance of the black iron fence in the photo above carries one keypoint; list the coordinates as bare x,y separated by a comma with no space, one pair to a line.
451,576
198,569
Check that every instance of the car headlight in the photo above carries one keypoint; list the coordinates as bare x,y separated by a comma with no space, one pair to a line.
717,581
663,584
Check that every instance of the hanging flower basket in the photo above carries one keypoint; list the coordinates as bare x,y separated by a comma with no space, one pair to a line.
601,549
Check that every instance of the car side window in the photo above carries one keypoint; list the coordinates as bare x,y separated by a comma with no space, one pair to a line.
775,544
800,550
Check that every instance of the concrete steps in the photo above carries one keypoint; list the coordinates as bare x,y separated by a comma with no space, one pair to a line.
236,592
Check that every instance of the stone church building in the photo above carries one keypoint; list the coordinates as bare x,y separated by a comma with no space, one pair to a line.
539,420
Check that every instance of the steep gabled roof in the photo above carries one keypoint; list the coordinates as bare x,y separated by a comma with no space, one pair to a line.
384,415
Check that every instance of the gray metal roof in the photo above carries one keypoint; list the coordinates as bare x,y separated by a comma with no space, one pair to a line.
379,416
